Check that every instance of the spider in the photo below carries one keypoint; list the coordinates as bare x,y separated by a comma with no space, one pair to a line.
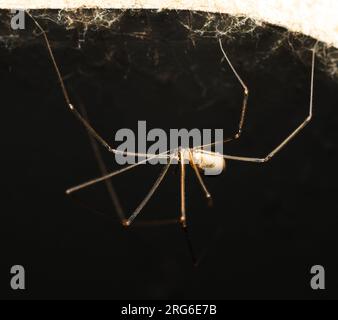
199,158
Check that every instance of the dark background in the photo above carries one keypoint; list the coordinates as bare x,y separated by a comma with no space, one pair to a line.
269,224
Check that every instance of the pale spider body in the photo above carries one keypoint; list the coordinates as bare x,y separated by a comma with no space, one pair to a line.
212,163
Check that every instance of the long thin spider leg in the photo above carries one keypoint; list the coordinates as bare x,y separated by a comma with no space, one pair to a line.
183,212
208,246
199,177
293,133
97,153
157,183
183,218
244,103
190,245
246,92
108,176
229,157
71,106
143,223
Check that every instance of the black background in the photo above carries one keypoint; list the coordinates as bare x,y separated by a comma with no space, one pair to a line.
269,224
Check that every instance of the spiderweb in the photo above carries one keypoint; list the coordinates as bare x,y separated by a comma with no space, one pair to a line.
194,26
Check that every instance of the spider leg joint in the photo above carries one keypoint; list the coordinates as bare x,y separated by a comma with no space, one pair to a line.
126,223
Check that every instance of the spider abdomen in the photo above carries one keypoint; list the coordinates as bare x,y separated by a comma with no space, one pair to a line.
211,164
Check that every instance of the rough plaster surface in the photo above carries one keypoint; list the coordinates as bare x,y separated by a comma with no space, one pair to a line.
316,18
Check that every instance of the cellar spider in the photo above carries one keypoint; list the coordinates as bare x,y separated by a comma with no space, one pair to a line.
199,158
